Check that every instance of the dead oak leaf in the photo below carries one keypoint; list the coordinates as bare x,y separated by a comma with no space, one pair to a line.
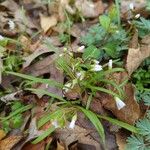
137,55
47,22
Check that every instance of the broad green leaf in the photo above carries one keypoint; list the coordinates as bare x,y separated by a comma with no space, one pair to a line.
96,122
105,21
91,52
44,135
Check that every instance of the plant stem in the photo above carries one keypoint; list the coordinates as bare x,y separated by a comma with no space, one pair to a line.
118,12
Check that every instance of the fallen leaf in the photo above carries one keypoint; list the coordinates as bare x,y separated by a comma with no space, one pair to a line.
2,134
137,55
60,146
8,143
131,112
68,136
41,49
121,138
89,9
47,22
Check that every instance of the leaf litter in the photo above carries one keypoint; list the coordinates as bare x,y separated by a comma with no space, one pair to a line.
54,65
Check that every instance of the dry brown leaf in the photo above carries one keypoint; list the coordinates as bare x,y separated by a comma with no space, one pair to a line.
47,22
2,134
137,55
9,142
131,112
89,9
60,146
41,49
121,138
68,136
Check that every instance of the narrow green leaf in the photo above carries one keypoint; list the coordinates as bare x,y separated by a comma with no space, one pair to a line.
43,92
58,113
120,123
44,135
96,122
37,80
20,110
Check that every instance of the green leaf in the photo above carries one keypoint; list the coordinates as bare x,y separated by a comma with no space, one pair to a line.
110,49
17,121
37,80
105,21
91,52
43,92
120,123
144,127
136,143
20,110
44,135
57,114
96,122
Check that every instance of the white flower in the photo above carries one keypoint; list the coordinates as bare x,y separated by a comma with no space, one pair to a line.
131,6
55,123
81,48
80,75
110,64
137,16
11,25
96,67
69,85
1,37
96,62
120,104
72,123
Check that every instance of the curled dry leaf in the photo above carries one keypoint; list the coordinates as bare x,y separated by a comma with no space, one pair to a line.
89,9
41,49
68,136
137,55
9,142
131,112
47,22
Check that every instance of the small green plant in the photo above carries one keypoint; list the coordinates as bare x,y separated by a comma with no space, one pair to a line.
107,36
140,141
15,117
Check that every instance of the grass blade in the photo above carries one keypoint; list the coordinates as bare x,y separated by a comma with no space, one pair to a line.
96,122
44,135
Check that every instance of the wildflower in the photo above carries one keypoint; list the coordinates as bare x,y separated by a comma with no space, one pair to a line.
81,48
137,16
11,25
110,64
96,67
69,85
95,61
120,104
1,38
72,123
80,75
55,123
131,6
